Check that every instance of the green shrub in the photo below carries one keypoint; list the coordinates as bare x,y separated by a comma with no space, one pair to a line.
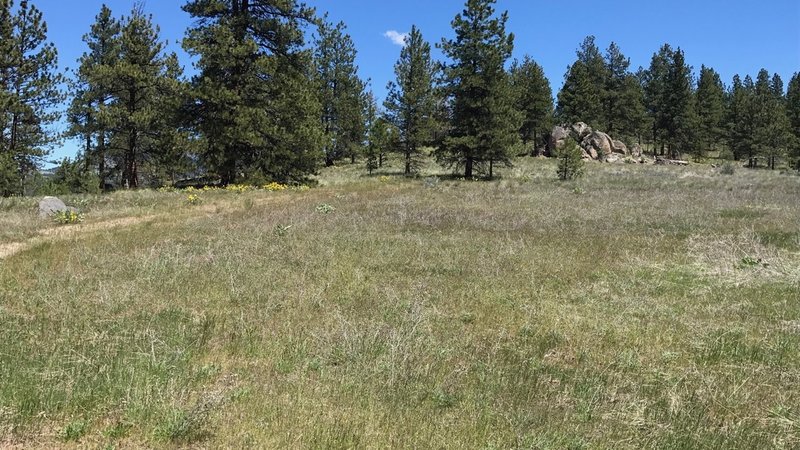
570,161
325,208
74,430
69,217
727,169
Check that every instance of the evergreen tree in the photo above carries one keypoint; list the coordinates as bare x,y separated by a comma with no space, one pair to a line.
256,107
679,109
342,93
484,122
534,98
582,96
570,161
93,91
73,177
631,122
411,102
741,119
383,138
793,116
616,70
29,93
145,85
655,80
710,104
771,124
623,98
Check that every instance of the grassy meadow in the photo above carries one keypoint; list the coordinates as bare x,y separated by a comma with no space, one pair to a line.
639,307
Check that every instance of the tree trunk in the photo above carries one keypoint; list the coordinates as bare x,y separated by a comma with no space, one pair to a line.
468,168
131,181
408,161
101,159
491,169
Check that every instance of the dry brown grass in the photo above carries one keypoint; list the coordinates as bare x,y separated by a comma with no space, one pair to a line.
519,313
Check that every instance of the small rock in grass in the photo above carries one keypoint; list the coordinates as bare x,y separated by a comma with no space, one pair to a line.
51,205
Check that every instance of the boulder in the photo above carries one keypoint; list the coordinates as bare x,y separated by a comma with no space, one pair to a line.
612,158
597,144
558,137
580,130
50,205
619,147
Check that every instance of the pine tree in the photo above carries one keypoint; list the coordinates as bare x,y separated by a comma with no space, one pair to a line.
342,93
623,98
616,70
771,125
412,101
570,161
582,96
93,91
654,80
710,105
484,122
793,116
73,177
632,121
256,107
534,98
145,85
679,109
29,94
740,118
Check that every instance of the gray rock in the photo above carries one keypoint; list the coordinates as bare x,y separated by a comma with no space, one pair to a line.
50,205
620,147
580,130
558,137
598,144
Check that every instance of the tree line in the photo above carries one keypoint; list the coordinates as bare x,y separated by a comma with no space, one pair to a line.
277,95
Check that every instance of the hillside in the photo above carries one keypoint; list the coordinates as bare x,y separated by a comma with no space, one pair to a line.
640,307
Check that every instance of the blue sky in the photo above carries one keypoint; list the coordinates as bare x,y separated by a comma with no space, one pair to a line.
732,36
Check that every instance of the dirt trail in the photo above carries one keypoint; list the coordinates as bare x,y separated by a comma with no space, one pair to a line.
10,249
51,234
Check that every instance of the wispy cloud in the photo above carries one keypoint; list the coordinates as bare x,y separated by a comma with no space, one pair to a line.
396,37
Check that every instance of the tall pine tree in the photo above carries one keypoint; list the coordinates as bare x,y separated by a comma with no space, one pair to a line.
710,105
412,101
680,115
793,115
740,119
256,107
534,98
484,122
616,65
582,96
341,91
93,91
623,98
29,94
145,84
655,82
771,124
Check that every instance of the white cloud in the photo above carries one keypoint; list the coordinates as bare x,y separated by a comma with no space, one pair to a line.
396,37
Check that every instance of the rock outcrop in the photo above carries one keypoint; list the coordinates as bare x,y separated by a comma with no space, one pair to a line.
596,145
558,137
